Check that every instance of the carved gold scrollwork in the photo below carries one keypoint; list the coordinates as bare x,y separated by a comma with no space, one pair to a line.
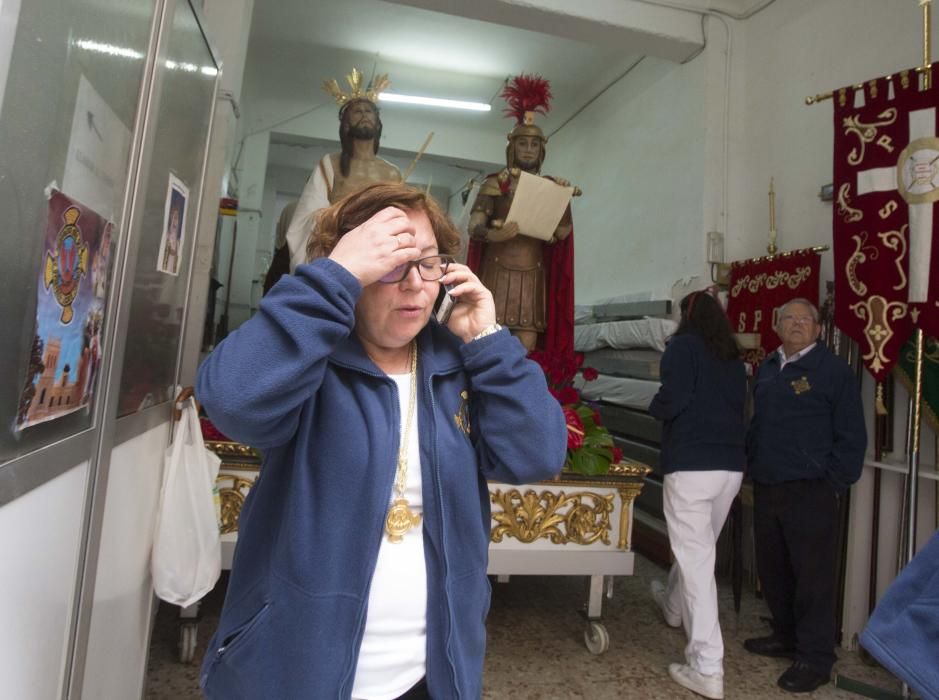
859,255
232,497
580,518
896,240
848,213
627,495
879,315
866,131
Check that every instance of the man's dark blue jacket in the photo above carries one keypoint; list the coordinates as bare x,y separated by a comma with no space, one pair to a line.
808,422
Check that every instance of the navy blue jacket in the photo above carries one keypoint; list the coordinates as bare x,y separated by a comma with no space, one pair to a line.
808,422
701,405
295,382
903,632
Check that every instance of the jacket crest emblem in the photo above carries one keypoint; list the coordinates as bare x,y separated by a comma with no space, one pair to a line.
461,417
800,385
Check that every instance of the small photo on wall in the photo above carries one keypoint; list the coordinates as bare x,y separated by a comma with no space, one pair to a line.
174,227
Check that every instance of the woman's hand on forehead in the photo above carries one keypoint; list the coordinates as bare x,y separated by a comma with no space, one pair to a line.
374,248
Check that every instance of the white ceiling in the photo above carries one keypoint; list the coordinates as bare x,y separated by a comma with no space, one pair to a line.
425,52
443,55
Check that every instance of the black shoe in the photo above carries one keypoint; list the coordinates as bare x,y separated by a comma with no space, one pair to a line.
800,678
770,646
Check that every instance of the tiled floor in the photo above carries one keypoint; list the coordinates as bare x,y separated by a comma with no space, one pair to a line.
536,649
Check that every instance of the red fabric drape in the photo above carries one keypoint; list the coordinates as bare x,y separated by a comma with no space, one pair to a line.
886,182
758,287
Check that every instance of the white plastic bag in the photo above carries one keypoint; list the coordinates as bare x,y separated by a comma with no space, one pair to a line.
187,554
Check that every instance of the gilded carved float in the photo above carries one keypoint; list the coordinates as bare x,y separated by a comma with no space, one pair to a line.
571,525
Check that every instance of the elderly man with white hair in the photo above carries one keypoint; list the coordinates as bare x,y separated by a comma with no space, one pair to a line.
805,447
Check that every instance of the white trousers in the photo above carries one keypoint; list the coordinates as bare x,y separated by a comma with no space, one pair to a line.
696,505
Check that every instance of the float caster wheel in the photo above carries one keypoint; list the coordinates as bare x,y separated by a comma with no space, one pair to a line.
596,637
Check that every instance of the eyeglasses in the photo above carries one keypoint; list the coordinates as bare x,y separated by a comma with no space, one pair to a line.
789,318
431,269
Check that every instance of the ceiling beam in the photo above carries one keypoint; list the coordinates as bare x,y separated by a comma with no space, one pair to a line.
636,27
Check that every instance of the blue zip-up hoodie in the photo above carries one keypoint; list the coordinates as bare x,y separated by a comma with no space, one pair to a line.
808,422
295,382
903,632
701,405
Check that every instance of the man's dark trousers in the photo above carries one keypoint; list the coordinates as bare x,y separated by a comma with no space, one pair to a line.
796,529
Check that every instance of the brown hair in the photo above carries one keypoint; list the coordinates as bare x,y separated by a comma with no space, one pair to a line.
355,209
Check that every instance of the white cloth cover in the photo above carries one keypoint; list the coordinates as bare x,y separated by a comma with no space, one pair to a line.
186,559
696,505
640,333
638,363
622,391
315,196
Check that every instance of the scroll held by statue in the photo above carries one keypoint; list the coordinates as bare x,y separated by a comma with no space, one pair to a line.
538,205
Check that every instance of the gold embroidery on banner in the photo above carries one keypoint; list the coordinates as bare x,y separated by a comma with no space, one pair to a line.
914,314
800,385
905,79
930,351
872,88
888,209
896,240
848,213
857,257
886,143
866,131
879,314
843,97
756,282
581,518
754,357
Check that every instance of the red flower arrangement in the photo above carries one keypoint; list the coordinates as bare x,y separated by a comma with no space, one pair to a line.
590,448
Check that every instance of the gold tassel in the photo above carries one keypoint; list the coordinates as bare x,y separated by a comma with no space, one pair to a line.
879,407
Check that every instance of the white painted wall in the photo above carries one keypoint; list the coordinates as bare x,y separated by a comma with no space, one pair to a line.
123,599
39,541
638,154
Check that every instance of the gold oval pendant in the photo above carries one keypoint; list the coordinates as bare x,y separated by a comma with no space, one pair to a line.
399,520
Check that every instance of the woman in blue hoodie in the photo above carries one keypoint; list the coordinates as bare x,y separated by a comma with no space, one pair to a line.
360,570
701,403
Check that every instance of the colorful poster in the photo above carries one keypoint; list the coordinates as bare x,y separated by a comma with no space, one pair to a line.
174,226
760,286
73,284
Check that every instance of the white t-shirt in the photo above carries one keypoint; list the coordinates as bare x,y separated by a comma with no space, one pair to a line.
393,654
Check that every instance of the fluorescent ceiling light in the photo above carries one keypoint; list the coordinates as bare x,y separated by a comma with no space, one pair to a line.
110,49
434,102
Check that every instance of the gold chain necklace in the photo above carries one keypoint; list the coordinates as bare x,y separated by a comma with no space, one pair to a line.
400,517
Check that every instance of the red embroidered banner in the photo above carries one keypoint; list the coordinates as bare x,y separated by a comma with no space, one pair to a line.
886,183
760,286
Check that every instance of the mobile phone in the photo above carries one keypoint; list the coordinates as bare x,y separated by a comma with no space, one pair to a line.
444,304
